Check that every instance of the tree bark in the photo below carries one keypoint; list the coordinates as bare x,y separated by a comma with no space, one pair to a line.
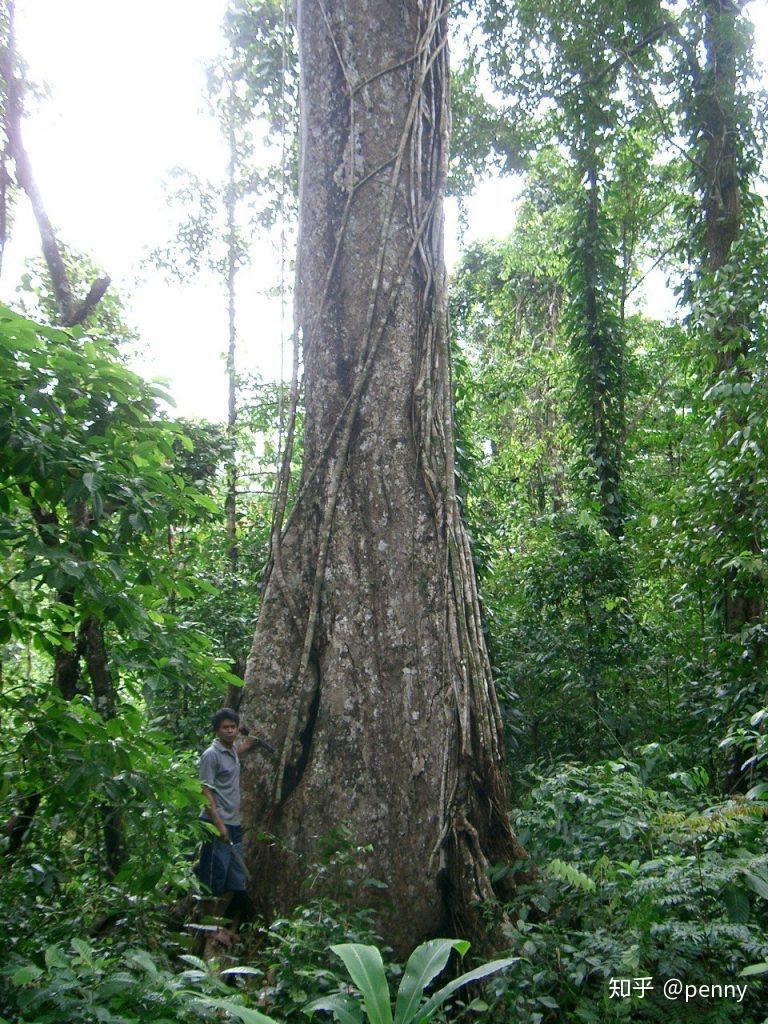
719,183
368,671
605,378
20,823
721,198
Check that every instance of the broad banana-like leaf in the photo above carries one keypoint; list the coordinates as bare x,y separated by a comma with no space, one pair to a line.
426,1011
346,1009
366,969
241,1013
424,964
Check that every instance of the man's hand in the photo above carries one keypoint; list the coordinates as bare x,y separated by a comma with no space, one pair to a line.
244,744
221,827
248,741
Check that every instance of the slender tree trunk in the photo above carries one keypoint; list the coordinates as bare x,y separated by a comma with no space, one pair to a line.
596,340
721,199
719,183
103,686
552,458
605,379
19,824
66,660
368,671
70,312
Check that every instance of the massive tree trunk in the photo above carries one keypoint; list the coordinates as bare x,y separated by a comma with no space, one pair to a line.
368,671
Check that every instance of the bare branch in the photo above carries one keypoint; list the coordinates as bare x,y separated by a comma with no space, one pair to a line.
92,299
69,314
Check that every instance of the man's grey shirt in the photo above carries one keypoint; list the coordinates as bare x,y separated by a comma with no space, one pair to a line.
220,772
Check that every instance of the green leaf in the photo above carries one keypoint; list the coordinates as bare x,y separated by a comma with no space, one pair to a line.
151,877
114,728
206,502
548,1001
25,975
736,904
143,959
70,725
757,883
194,961
346,1009
568,873
426,1011
366,969
55,957
424,964
754,969
82,948
242,1013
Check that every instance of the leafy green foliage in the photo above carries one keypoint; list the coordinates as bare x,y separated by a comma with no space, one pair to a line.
80,982
295,957
677,890
366,969
555,581
261,38
97,487
89,480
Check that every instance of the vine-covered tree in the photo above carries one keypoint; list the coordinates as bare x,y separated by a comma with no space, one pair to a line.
368,671
728,250
578,86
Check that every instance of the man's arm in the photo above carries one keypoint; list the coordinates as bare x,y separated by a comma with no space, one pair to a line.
213,810
207,774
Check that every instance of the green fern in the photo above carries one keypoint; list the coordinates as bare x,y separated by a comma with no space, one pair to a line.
568,873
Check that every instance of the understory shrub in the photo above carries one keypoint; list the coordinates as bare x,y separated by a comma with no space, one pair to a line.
642,876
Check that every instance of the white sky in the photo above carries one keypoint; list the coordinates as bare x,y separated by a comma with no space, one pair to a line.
125,106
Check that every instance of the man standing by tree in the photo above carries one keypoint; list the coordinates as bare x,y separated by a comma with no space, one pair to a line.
222,869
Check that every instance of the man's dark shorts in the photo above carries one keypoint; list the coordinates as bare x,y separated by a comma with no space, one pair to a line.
221,866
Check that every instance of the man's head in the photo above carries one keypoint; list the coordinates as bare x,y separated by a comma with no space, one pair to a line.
224,723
